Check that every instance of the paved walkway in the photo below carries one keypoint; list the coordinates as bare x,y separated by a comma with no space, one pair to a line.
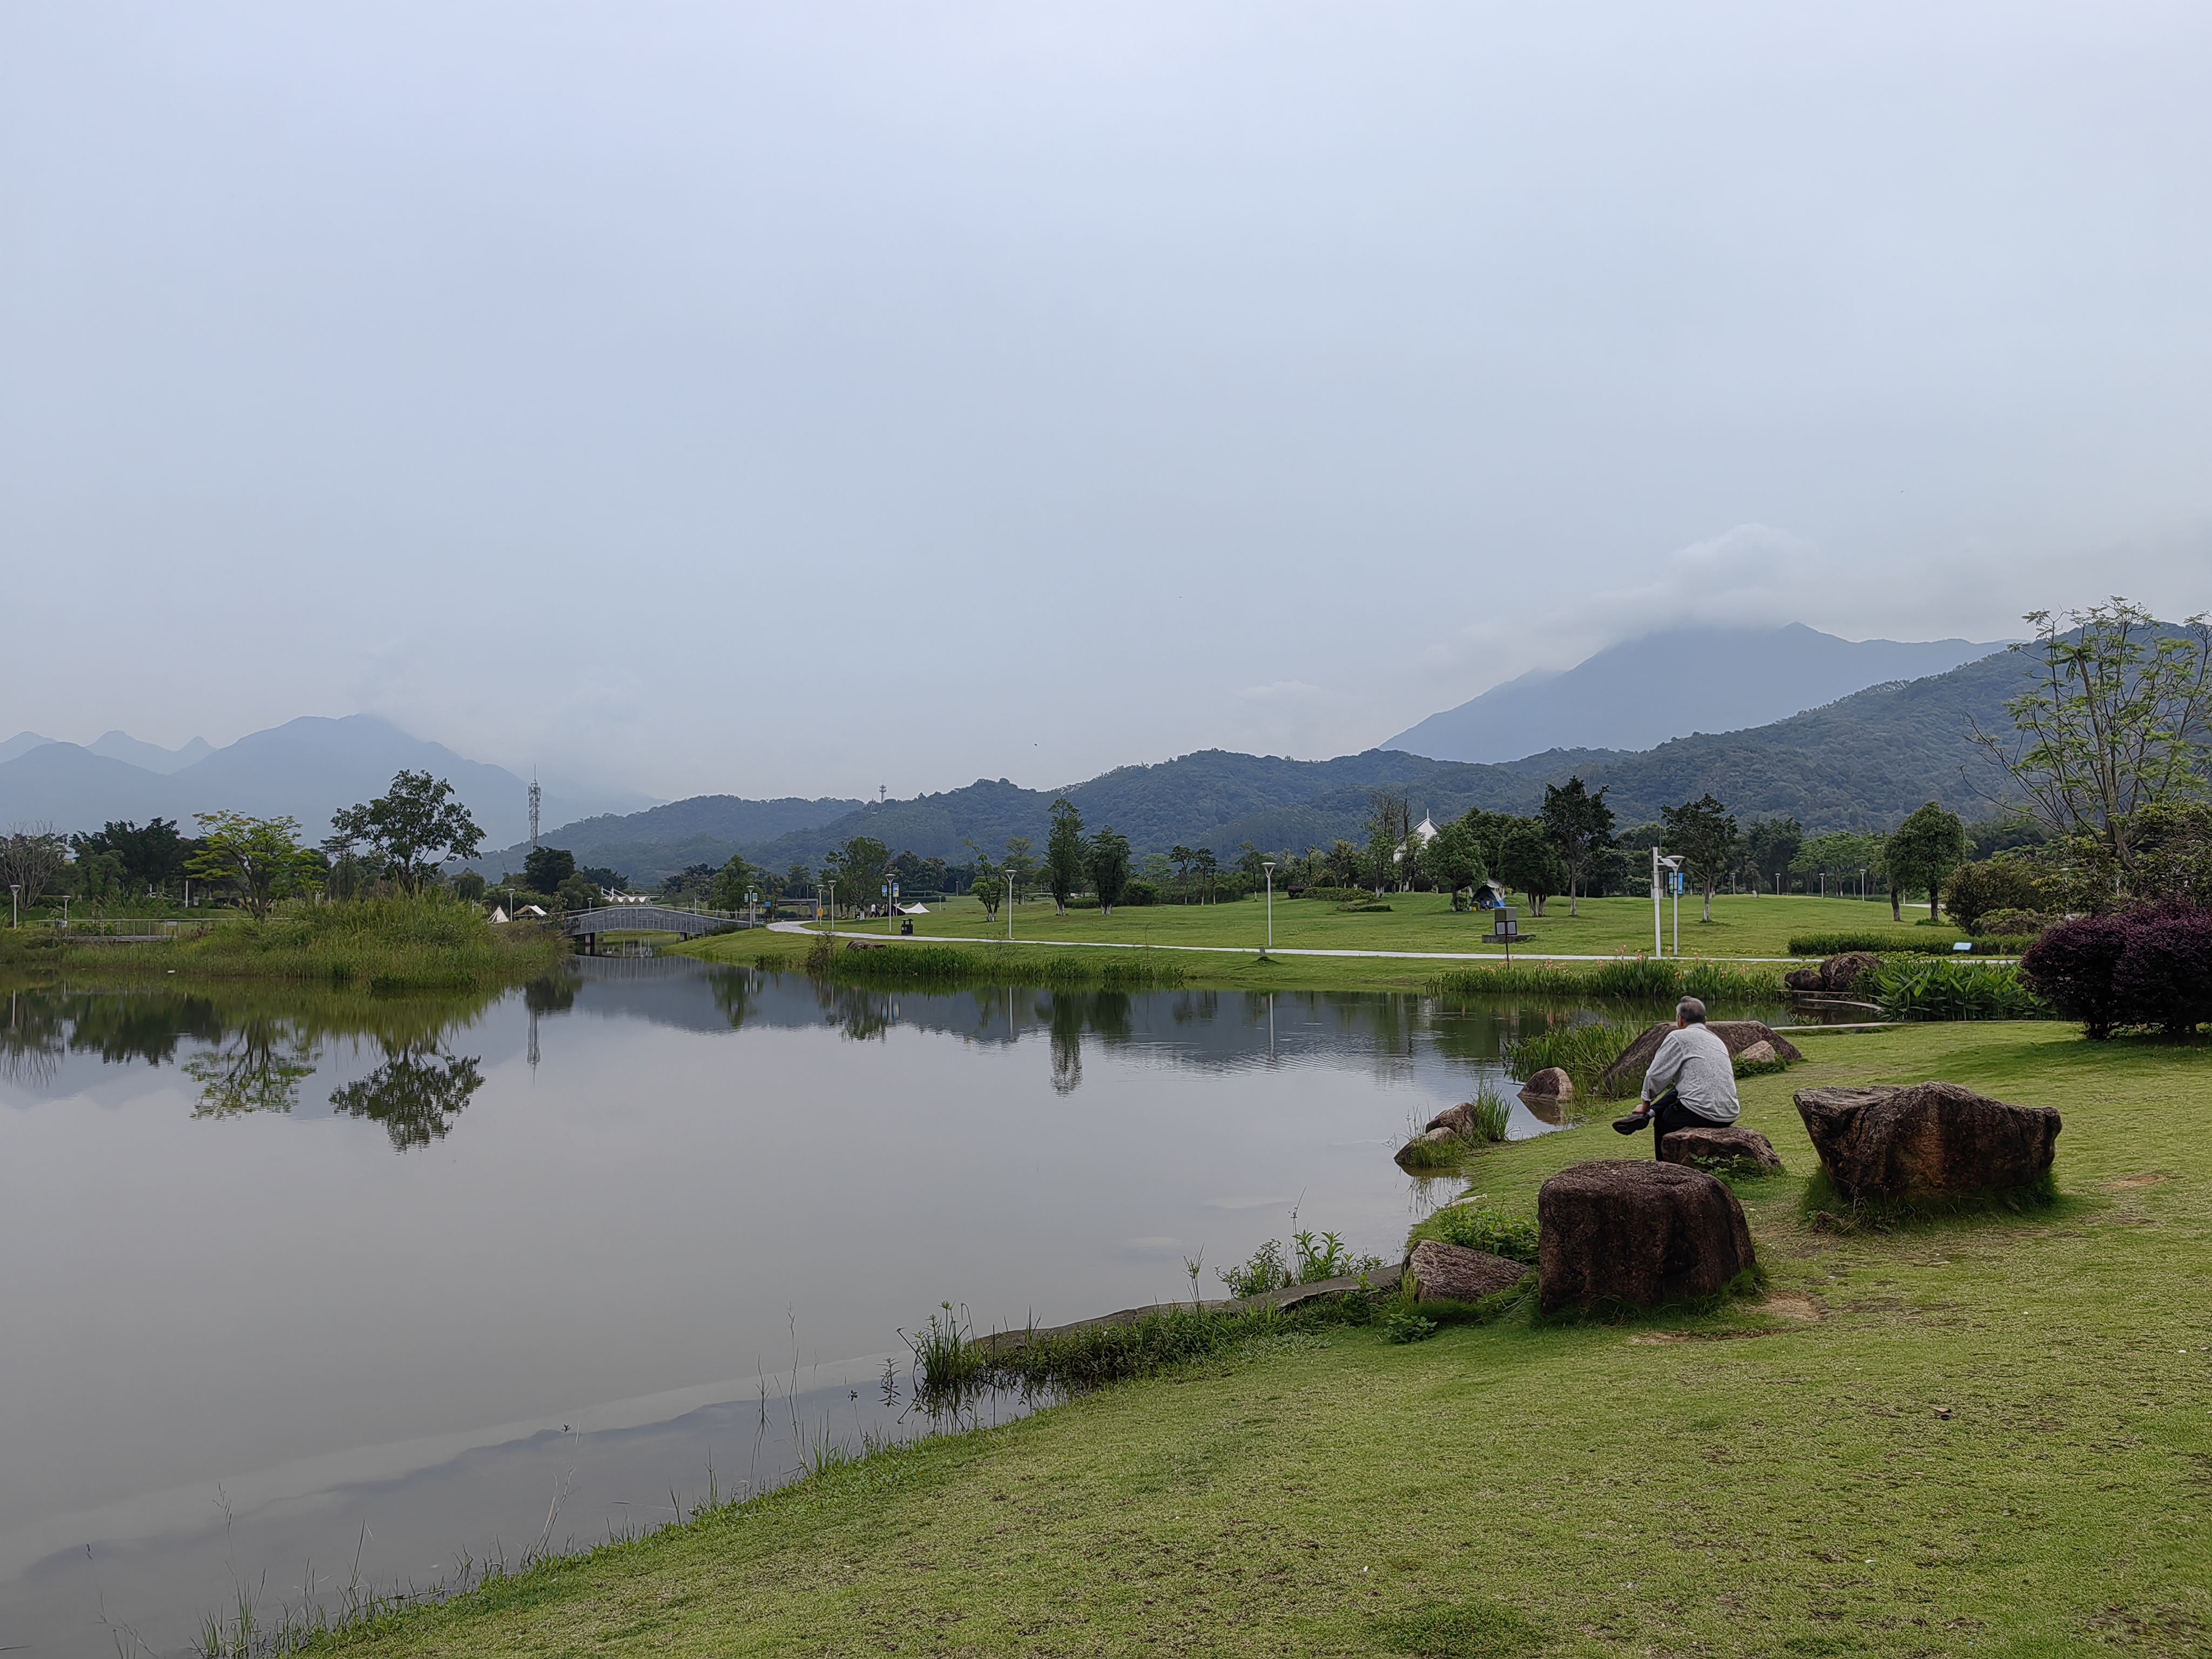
1245,950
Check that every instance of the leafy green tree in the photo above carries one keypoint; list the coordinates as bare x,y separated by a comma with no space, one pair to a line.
988,881
733,881
152,858
797,881
1107,858
1704,832
413,828
1529,862
1207,869
578,894
857,869
2118,721
469,887
260,858
1839,858
1922,852
1021,864
1181,857
1581,827
1455,859
544,868
1064,853
1770,847
1389,828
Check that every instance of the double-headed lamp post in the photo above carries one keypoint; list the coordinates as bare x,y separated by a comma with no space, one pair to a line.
1268,865
1009,907
1660,862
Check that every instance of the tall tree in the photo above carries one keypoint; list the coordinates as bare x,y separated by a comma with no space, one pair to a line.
31,856
1529,863
1925,849
1205,867
857,869
1581,827
2117,721
1705,833
413,828
1021,864
1770,847
1388,825
988,881
1064,853
544,868
1107,857
261,858
733,881
1455,859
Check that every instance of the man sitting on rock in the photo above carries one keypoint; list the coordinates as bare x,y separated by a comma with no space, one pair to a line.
1690,1083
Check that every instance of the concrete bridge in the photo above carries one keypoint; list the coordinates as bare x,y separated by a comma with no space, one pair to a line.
585,926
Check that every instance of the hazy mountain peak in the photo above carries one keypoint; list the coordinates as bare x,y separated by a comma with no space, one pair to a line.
21,744
121,745
1642,692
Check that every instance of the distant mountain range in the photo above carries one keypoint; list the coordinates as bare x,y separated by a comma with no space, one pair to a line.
307,769
1860,763
1642,692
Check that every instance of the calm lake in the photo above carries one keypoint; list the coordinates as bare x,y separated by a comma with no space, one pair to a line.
302,1289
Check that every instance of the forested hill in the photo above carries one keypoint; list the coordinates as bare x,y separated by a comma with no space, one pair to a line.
1861,763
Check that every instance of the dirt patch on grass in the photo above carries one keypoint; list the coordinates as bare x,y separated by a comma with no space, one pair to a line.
2128,1183
1789,1304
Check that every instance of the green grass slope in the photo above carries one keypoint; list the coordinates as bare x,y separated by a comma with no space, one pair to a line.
1777,1479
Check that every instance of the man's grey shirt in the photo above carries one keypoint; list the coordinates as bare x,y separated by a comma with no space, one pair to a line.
1696,1063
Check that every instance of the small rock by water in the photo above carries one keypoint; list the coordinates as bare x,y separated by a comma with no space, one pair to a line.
1838,974
1639,1233
1551,1084
1925,1139
1454,1274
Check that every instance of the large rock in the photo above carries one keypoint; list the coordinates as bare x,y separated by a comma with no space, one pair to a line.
1927,1138
1453,1121
1761,1053
1639,1233
1550,1083
1452,1273
1721,1146
1627,1072
1838,974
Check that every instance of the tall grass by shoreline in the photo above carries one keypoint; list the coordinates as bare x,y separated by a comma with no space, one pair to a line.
427,944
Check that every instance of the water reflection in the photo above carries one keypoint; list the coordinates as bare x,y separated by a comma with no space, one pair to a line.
415,1094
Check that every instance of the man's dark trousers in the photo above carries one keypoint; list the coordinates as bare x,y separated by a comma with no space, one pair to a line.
1668,1114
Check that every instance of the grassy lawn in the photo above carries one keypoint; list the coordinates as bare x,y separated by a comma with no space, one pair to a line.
1775,1480
1741,927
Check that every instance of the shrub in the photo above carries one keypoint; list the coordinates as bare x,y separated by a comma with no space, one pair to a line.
2164,975
2072,966
2023,924
1884,942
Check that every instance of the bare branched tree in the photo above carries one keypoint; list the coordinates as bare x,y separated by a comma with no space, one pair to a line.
31,856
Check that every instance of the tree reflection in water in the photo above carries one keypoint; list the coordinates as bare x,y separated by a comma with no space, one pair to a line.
415,1094
1076,1013
255,1067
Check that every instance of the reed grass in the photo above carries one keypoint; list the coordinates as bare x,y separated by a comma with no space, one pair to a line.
1933,988
1582,1049
1627,979
428,943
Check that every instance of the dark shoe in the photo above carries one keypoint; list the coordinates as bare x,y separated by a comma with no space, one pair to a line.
1633,1123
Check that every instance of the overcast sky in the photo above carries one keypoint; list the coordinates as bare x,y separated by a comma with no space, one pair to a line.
795,399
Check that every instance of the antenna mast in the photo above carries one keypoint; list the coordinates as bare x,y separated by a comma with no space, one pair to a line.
534,811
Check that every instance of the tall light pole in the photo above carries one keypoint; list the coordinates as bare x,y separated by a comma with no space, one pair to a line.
1660,862
1009,917
14,905
1268,865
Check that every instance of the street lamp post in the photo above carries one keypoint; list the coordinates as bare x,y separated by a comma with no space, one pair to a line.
1671,865
1268,865
14,905
1010,908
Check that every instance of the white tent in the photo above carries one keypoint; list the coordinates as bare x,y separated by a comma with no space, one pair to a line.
913,909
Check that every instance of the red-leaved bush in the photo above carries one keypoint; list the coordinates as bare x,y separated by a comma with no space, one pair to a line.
2165,973
2146,968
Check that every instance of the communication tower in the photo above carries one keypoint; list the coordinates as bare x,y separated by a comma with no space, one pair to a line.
534,796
